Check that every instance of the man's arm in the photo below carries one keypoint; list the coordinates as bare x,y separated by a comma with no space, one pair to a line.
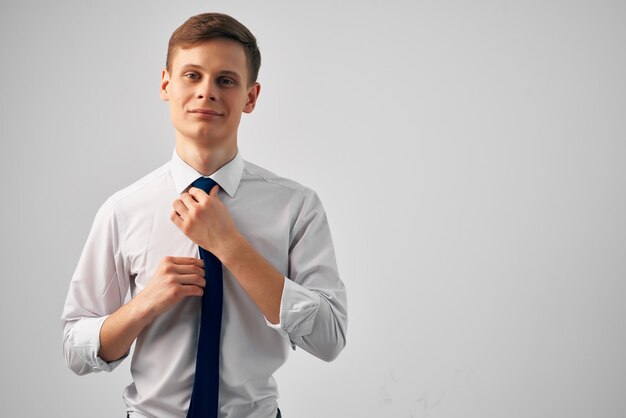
98,328
314,307
98,287
309,305
206,221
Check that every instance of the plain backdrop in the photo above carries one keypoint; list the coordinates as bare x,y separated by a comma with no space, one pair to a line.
470,156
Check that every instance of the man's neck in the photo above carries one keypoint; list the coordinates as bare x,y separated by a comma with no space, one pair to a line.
205,160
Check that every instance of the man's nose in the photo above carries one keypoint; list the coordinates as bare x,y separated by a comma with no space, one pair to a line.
207,89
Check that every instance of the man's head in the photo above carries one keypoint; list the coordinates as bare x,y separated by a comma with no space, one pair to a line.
207,26
210,80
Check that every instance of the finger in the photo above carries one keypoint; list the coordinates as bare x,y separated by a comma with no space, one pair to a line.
186,260
192,290
190,200
214,190
189,269
180,207
175,217
197,193
191,279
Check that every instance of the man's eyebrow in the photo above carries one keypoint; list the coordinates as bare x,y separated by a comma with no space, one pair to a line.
230,72
191,65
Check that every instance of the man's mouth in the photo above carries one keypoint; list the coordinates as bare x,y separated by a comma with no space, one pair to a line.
206,112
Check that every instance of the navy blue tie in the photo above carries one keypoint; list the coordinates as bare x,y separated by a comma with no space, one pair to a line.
206,382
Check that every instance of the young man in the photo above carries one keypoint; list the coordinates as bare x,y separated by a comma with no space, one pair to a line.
267,236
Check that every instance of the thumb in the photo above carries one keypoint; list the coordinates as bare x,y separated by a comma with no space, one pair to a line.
214,190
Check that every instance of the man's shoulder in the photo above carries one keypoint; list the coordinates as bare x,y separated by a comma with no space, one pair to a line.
258,174
142,190
280,192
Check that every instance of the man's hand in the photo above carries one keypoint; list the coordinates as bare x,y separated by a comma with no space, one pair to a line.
205,220
174,279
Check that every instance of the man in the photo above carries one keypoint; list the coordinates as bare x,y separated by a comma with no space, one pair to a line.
268,235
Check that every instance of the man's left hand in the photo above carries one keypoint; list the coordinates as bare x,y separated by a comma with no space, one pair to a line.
205,220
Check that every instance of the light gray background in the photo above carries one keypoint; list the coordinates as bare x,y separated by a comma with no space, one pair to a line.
470,156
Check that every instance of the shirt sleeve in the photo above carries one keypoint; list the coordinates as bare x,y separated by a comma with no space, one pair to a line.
98,288
313,311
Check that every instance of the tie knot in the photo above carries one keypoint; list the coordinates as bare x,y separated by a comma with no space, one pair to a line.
204,183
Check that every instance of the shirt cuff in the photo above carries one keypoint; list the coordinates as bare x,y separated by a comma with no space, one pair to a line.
84,338
298,307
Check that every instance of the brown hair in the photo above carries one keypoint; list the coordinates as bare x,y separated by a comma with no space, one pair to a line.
206,26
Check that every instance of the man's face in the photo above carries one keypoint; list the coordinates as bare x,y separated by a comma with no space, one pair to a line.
208,90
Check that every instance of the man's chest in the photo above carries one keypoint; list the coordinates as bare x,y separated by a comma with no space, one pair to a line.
151,235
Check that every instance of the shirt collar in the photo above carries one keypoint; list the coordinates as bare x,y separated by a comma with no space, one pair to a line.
228,176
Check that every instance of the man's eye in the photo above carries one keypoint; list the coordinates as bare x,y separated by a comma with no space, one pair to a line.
192,76
226,81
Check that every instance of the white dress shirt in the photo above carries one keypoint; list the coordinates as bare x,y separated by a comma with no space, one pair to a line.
132,232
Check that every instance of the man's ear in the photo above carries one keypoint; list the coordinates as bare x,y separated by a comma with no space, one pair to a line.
165,82
253,95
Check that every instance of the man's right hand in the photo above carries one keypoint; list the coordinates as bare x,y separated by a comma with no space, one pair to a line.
174,279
